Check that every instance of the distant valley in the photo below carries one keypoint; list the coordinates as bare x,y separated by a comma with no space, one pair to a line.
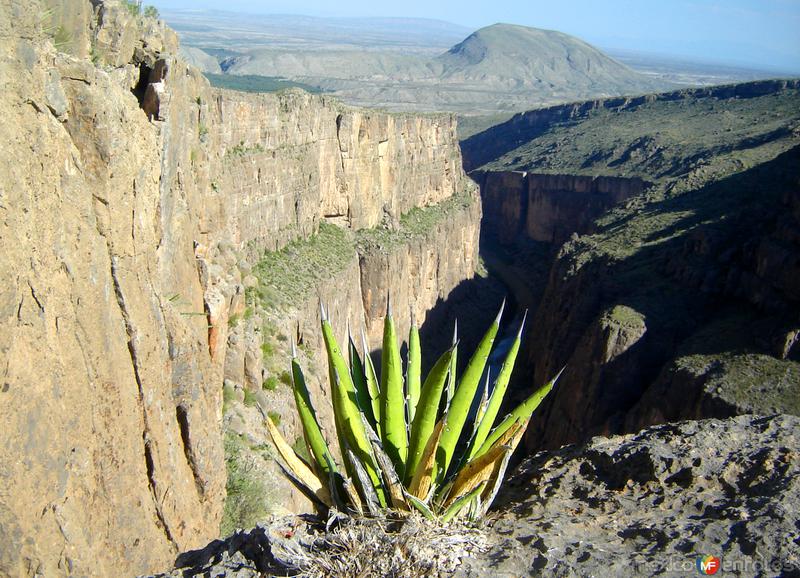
429,65
435,67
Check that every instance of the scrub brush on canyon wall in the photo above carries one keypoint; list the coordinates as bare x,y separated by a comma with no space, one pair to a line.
399,437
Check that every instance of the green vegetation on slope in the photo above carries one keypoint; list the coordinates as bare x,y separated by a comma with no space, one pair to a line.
684,258
469,125
288,276
415,223
715,233
655,138
246,500
254,83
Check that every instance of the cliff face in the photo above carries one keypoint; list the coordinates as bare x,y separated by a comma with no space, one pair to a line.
547,208
110,406
283,162
127,191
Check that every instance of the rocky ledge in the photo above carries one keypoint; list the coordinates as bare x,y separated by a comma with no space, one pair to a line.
650,503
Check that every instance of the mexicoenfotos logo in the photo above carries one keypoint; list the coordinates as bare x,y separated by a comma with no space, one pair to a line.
708,565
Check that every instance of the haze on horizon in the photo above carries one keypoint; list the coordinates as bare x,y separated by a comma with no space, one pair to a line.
763,34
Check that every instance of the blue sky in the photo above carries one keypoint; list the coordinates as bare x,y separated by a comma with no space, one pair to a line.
759,33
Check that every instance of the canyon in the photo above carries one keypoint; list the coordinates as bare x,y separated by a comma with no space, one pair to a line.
694,240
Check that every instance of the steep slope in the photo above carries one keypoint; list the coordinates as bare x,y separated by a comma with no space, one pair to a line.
498,68
132,196
681,301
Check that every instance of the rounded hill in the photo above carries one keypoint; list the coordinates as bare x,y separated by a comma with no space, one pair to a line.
518,56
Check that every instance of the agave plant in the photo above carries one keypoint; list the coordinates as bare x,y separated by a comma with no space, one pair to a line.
399,437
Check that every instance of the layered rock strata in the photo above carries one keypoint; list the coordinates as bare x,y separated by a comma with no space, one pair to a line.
128,191
522,206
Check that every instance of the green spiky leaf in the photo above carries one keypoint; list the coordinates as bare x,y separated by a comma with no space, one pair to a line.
428,408
498,393
413,371
346,410
308,418
522,412
393,415
464,395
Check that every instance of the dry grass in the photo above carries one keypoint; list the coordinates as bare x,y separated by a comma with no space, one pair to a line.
391,547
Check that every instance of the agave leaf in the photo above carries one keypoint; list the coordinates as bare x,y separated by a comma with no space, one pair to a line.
308,417
424,473
413,370
370,496
359,376
483,405
498,393
371,378
464,394
352,494
393,416
496,479
475,506
301,471
419,505
427,410
451,381
456,507
475,472
522,411
390,477
347,413
393,485
515,432
335,486
304,489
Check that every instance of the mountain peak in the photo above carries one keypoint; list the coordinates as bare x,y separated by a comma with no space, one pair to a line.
521,56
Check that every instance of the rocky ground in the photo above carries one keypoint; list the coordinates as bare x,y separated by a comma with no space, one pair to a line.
647,504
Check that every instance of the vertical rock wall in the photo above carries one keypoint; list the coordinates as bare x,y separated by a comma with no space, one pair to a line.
547,208
126,190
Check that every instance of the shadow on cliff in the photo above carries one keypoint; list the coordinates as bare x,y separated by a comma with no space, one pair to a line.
474,304
695,257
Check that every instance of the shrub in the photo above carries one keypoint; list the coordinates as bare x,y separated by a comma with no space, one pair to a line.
249,398
270,384
228,395
62,39
245,501
398,438
286,378
133,6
